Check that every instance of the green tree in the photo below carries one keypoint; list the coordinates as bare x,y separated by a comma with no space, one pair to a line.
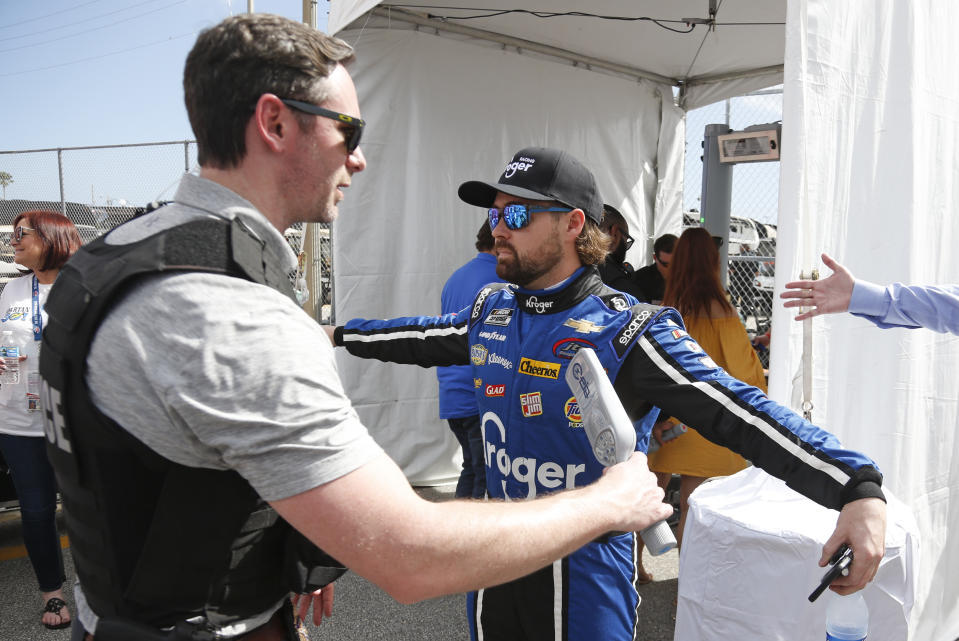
5,179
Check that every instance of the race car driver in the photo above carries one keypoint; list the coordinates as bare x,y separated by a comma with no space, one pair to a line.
545,212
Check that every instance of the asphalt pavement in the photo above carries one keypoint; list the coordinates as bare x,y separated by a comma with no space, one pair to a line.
361,611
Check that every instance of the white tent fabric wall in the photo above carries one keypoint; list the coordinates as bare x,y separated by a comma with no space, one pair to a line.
869,175
440,112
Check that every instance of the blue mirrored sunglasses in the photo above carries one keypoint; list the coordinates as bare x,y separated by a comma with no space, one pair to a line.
517,216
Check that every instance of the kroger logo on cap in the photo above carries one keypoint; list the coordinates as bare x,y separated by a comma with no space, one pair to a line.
522,164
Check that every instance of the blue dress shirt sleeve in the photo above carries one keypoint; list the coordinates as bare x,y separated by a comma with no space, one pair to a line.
934,307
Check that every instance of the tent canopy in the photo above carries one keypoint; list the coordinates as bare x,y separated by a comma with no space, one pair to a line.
734,45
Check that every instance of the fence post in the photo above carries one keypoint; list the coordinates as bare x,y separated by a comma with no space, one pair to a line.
186,156
63,200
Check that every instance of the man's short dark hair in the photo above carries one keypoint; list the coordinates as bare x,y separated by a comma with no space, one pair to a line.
665,243
484,238
237,61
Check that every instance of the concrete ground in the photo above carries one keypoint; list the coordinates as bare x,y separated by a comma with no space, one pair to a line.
361,612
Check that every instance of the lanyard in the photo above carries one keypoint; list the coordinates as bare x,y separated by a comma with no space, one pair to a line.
37,319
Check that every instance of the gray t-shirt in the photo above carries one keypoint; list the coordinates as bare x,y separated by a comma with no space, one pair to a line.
218,372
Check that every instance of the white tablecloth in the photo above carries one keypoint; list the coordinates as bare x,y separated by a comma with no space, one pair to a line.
750,560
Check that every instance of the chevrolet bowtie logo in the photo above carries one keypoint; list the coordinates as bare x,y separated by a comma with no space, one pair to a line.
583,326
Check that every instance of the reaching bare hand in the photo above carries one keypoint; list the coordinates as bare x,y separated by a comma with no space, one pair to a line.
827,296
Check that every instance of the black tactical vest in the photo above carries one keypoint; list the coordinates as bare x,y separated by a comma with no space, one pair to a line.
154,541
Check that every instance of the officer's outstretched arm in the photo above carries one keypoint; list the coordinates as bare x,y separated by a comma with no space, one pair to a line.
373,522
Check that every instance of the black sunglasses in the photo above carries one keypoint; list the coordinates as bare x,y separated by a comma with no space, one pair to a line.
629,239
354,129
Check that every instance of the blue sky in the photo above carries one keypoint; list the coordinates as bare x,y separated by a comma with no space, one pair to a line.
100,72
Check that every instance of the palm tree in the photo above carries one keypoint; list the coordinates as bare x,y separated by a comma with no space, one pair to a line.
5,179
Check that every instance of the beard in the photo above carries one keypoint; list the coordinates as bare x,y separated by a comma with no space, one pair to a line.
524,269
618,255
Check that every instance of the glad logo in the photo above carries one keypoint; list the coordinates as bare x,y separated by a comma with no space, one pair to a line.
540,307
523,164
548,475
539,368
495,390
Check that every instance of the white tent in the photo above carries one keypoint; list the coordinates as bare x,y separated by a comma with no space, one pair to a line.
868,173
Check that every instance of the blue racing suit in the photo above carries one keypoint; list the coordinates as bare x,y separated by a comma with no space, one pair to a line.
519,342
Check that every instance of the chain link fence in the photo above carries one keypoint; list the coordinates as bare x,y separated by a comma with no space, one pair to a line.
100,187
754,208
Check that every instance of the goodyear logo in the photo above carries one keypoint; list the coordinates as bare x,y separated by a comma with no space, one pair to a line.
478,354
495,390
571,409
539,368
531,403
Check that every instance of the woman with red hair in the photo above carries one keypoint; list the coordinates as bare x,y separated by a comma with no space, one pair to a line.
42,242
694,289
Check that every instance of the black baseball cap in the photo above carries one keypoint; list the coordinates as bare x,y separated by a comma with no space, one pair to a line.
538,173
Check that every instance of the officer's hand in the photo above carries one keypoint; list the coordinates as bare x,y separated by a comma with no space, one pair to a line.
637,498
862,525
322,601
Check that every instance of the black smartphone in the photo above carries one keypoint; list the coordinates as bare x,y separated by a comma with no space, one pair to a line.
840,567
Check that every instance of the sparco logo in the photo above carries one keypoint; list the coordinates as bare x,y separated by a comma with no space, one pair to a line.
633,327
539,368
478,305
538,306
520,165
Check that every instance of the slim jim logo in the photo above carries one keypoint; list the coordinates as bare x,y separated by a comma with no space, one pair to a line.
495,390
539,368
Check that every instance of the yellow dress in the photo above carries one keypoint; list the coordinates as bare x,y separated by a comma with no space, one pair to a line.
726,342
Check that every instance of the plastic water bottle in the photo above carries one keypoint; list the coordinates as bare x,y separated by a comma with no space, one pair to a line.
847,618
676,430
10,350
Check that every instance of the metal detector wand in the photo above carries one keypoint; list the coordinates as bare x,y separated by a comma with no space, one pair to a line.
610,432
